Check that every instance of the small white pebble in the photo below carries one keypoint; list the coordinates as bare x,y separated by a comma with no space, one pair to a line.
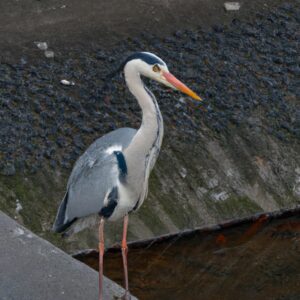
229,173
19,206
201,190
49,54
220,196
42,45
212,183
183,172
229,6
67,82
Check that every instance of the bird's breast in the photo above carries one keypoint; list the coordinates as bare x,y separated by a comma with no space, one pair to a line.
127,201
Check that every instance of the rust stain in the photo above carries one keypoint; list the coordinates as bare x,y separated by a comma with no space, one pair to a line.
287,230
160,270
254,228
292,226
221,240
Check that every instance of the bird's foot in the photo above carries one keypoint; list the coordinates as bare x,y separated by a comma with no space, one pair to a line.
126,296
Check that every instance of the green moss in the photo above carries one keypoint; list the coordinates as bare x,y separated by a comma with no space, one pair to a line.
149,217
173,208
233,207
289,200
147,213
36,194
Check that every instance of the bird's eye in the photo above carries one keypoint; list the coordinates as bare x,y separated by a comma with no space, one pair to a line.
156,68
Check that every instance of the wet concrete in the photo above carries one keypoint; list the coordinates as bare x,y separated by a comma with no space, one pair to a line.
256,258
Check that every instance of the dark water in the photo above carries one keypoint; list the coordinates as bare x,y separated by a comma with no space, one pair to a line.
255,260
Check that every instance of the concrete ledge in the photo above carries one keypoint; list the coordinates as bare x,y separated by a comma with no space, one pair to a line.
33,269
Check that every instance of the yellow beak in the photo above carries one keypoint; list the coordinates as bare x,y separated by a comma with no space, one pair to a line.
180,86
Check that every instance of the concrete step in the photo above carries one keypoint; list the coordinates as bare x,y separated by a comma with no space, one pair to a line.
33,269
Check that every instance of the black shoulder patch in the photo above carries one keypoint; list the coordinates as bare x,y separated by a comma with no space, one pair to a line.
121,164
108,210
146,57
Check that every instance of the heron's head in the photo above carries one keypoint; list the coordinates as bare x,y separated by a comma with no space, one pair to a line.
151,66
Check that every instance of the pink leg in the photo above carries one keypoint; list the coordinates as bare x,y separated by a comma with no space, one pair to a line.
101,253
124,256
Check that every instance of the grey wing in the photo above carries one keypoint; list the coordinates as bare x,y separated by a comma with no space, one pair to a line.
94,175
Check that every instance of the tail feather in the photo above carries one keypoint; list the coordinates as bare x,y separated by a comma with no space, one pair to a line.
61,223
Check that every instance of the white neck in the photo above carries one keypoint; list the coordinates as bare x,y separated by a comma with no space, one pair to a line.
149,136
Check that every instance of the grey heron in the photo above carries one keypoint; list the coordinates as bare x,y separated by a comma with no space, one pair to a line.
110,179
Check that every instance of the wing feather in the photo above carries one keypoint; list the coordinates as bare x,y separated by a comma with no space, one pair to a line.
94,174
